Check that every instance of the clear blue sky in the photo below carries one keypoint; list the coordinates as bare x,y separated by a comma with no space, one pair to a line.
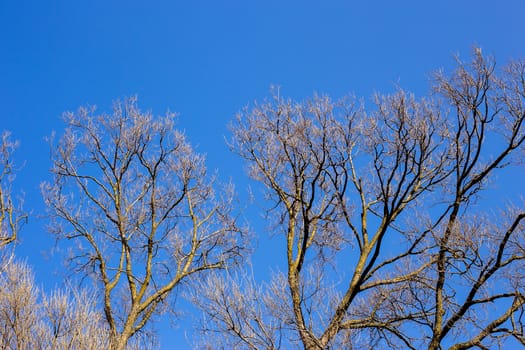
207,59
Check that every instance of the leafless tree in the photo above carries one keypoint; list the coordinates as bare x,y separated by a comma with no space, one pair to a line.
339,179
30,319
11,216
71,322
235,304
137,200
389,242
19,318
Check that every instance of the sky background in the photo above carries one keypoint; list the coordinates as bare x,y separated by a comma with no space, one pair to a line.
205,60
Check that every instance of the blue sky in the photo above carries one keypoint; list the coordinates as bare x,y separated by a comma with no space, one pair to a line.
207,59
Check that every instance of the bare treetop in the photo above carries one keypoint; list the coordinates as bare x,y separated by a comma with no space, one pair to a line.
137,200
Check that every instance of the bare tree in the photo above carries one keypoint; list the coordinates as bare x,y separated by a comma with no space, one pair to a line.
235,304
19,318
29,319
137,200
71,322
388,241
339,179
11,216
